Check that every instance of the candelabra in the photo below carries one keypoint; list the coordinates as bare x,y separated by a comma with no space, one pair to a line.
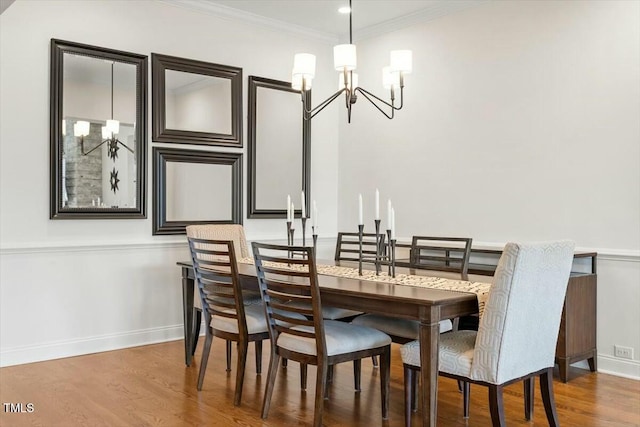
384,254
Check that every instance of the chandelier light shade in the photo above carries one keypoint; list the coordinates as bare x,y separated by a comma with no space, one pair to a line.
345,62
344,57
81,128
113,126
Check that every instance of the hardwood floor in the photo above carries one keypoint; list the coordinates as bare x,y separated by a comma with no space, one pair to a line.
151,386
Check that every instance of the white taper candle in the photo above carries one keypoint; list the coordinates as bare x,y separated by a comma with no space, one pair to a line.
389,214
360,220
303,204
377,204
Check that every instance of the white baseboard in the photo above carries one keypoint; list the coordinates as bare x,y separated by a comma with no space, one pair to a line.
619,367
61,349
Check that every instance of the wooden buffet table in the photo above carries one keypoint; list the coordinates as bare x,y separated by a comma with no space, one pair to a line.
426,305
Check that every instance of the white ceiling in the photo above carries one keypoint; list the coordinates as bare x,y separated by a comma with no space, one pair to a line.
322,17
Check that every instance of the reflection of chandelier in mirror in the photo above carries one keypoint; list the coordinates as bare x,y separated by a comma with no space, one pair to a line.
344,61
82,129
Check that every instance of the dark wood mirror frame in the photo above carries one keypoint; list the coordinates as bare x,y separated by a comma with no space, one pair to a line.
159,65
57,211
162,155
254,211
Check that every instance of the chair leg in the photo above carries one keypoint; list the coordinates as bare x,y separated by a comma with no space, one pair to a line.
529,384
228,356
258,345
205,359
466,393
374,360
409,391
414,397
385,374
329,374
321,387
274,363
241,363
546,389
284,362
303,376
496,405
197,319
357,372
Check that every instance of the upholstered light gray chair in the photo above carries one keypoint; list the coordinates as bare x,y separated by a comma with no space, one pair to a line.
289,273
234,233
517,334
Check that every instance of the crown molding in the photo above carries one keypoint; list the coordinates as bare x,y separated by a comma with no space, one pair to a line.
230,13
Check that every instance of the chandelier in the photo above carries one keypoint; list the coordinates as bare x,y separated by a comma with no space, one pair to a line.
82,129
344,61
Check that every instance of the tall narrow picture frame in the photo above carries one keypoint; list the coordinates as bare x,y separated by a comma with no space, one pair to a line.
196,102
279,148
195,187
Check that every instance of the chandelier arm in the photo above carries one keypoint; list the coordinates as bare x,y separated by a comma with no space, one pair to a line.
366,95
309,114
93,149
125,146
366,92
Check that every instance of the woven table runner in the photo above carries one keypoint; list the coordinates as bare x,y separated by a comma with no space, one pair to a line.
479,288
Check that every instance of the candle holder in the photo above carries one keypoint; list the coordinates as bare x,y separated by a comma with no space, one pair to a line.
360,235
392,256
378,259
304,231
388,247
314,235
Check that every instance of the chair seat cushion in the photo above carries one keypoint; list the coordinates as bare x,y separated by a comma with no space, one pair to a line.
329,313
256,320
456,353
404,328
340,337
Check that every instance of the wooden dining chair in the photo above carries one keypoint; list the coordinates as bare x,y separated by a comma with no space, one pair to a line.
446,254
348,246
226,316
530,286
235,233
289,273
449,254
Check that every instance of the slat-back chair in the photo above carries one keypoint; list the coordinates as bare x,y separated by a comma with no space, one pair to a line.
234,232
448,254
288,273
348,246
216,272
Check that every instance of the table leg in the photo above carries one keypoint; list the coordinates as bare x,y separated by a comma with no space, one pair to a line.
187,309
429,336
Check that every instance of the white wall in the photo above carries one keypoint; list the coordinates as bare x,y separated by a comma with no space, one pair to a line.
521,122
77,286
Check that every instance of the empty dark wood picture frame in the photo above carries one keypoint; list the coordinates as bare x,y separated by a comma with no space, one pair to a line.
206,105
195,187
277,124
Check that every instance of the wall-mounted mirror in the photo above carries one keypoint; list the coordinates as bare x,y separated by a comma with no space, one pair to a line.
196,102
279,148
98,132
195,187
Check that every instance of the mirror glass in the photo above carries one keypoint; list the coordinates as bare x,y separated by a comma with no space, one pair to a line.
197,102
184,182
97,132
279,148
195,187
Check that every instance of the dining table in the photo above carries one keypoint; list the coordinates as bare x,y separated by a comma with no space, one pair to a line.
371,295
